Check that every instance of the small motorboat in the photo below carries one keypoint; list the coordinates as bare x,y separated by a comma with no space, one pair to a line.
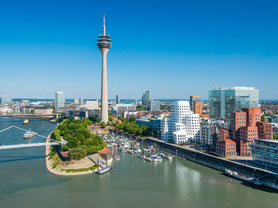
25,122
104,170
29,134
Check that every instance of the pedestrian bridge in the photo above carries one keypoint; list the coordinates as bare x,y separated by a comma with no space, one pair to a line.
15,146
23,145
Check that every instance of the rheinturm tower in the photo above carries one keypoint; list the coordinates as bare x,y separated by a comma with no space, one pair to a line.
104,44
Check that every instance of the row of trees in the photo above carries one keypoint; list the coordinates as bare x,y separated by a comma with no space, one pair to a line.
80,140
131,127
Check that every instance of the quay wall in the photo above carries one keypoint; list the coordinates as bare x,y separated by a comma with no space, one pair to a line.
269,178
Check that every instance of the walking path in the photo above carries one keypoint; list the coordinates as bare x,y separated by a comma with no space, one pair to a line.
76,165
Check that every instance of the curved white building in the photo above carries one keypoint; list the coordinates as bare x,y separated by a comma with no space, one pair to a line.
182,125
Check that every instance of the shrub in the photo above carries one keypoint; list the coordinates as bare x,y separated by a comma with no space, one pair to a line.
77,153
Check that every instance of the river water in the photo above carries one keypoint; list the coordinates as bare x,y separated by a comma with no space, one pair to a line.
25,181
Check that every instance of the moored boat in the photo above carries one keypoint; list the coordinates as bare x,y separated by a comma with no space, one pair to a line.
104,170
168,157
238,176
148,159
29,134
257,181
25,122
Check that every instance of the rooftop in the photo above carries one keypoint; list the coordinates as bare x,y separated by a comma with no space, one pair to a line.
105,150
234,88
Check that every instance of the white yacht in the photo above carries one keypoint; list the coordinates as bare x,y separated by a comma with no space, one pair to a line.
29,134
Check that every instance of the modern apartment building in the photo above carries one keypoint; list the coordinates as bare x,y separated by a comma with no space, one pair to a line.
246,127
152,123
59,101
182,125
92,104
224,101
265,152
226,148
124,107
206,135
265,130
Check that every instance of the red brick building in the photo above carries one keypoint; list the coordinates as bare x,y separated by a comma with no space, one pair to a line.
198,107
223,134
264,130
247,126
248,135
238,121
253,115
226,148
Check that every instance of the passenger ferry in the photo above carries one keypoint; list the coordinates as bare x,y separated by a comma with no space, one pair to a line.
29,134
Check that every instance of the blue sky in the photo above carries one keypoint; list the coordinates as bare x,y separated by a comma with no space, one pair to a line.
173,48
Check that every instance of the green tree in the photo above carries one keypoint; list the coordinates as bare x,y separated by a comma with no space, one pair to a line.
102,124
77,135
78,153
94,119
111,118
132,119
140,107
87,122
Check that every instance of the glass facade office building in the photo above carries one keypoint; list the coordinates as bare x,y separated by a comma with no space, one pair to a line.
59,101
226,100
146,98
265,152
155,106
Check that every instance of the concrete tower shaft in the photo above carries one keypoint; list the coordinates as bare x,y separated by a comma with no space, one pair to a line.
104,44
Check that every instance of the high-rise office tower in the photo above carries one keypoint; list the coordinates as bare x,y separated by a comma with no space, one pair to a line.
117,99
80,100
192,99
59,100
196,105
104,44
146,99
224,101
